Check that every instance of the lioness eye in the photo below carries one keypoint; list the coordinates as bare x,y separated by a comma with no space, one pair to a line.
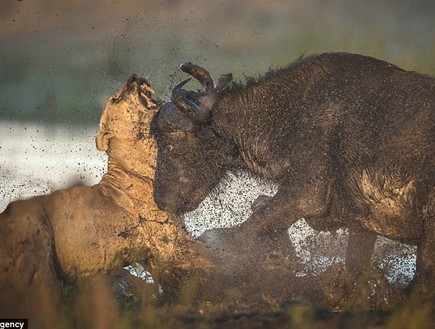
114,99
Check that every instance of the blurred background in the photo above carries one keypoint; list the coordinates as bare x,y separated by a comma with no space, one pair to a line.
60,60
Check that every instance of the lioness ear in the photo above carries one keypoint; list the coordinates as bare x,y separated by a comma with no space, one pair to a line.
103,137
102,140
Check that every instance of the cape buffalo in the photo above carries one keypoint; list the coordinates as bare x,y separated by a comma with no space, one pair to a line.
349,139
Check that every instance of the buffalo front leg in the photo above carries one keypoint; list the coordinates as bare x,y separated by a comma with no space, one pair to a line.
305,192
359,250
265,232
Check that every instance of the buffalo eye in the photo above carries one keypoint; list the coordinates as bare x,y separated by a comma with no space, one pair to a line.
169,148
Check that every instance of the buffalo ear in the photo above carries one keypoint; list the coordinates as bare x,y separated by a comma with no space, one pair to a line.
224,83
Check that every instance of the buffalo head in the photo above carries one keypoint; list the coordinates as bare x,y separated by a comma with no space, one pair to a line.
191,158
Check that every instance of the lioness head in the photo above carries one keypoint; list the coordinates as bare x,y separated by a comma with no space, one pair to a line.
125,125
128,113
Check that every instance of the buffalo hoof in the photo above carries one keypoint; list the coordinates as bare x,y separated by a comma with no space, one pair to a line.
339,289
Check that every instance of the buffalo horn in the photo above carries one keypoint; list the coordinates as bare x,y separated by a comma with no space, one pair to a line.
200,74
224,82
197,114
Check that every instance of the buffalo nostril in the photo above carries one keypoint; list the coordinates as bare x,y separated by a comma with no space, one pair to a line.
166,204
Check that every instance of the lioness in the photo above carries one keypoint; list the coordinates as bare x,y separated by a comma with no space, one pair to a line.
91,229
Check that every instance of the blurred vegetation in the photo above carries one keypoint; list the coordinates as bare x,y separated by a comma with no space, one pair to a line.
61,59
91,304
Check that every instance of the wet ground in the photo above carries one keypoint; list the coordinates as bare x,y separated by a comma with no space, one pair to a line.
302,309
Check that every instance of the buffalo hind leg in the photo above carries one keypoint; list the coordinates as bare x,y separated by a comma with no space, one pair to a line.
423,285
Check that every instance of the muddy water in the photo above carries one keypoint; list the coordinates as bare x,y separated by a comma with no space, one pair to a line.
37,159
